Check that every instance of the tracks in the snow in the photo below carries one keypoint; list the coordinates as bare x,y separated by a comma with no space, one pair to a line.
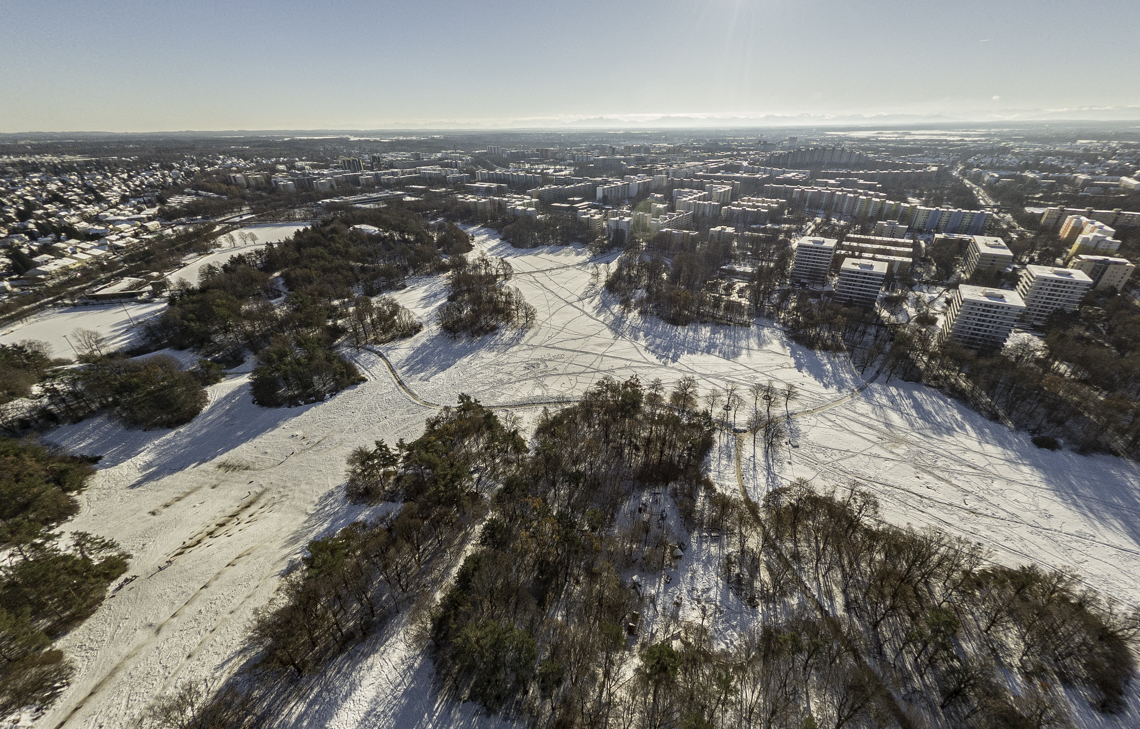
883,694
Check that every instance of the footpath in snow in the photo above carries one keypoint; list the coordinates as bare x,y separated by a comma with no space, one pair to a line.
215,511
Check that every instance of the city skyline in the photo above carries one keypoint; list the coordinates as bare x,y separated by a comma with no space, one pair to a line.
135,67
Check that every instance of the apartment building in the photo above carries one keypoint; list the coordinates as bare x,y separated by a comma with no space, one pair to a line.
351,164
1105,271
953,221
981,318
890,229
987,253
1089,237
813,259
860,281
1046,289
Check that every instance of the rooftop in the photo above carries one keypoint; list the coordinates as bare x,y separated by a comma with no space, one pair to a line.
990,296
1104,259
1058,274
820,242
864,264
991,244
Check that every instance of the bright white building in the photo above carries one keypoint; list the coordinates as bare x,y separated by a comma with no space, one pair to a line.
813,259
1105,271
981,318
860,281
1046,289
987,253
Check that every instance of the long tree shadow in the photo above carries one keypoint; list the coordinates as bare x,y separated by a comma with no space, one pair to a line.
228,422
1103,489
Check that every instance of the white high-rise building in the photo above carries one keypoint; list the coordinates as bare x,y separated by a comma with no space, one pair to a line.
981,318
986,253
860,281
1105,271
1046,289
813,259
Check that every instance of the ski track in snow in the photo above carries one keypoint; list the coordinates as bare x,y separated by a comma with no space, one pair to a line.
214,512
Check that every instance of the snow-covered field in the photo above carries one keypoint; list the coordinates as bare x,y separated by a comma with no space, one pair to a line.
267,233
214,512
932,462
117,323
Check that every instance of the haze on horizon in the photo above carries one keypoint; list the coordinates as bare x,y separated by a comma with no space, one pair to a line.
133,66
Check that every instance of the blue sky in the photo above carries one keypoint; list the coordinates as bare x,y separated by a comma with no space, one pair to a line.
128,65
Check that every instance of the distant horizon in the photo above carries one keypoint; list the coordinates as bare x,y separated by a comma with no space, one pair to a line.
125,66
611,125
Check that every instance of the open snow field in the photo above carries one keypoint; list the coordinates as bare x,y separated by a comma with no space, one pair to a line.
267,233
118,323
213,512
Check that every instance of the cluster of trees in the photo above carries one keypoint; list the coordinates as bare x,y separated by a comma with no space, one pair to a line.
535,622
523,231
378,321
944,629
830,327
352,582
681,289
320,271
144,393
298,370
45,588
22,366
478,302
154,392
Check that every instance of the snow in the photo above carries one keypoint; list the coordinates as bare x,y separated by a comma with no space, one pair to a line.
581,334
118,323
215,511
268,233
932,462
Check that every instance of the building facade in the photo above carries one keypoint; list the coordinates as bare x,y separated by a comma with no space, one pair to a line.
1046,289
981,318
813,259
987,253
860,281
1105,271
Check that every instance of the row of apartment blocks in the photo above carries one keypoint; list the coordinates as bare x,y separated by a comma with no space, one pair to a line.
513,178
1117,218
489,206
631,186
864,204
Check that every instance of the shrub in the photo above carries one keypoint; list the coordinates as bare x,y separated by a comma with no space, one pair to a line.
1046,441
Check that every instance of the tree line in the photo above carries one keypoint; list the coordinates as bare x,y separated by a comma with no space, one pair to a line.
47,585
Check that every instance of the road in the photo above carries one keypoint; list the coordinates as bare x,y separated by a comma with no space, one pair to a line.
1007,221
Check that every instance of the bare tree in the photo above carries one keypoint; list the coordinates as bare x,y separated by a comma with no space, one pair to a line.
90,342
713,398
790,393
732,400
684,394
